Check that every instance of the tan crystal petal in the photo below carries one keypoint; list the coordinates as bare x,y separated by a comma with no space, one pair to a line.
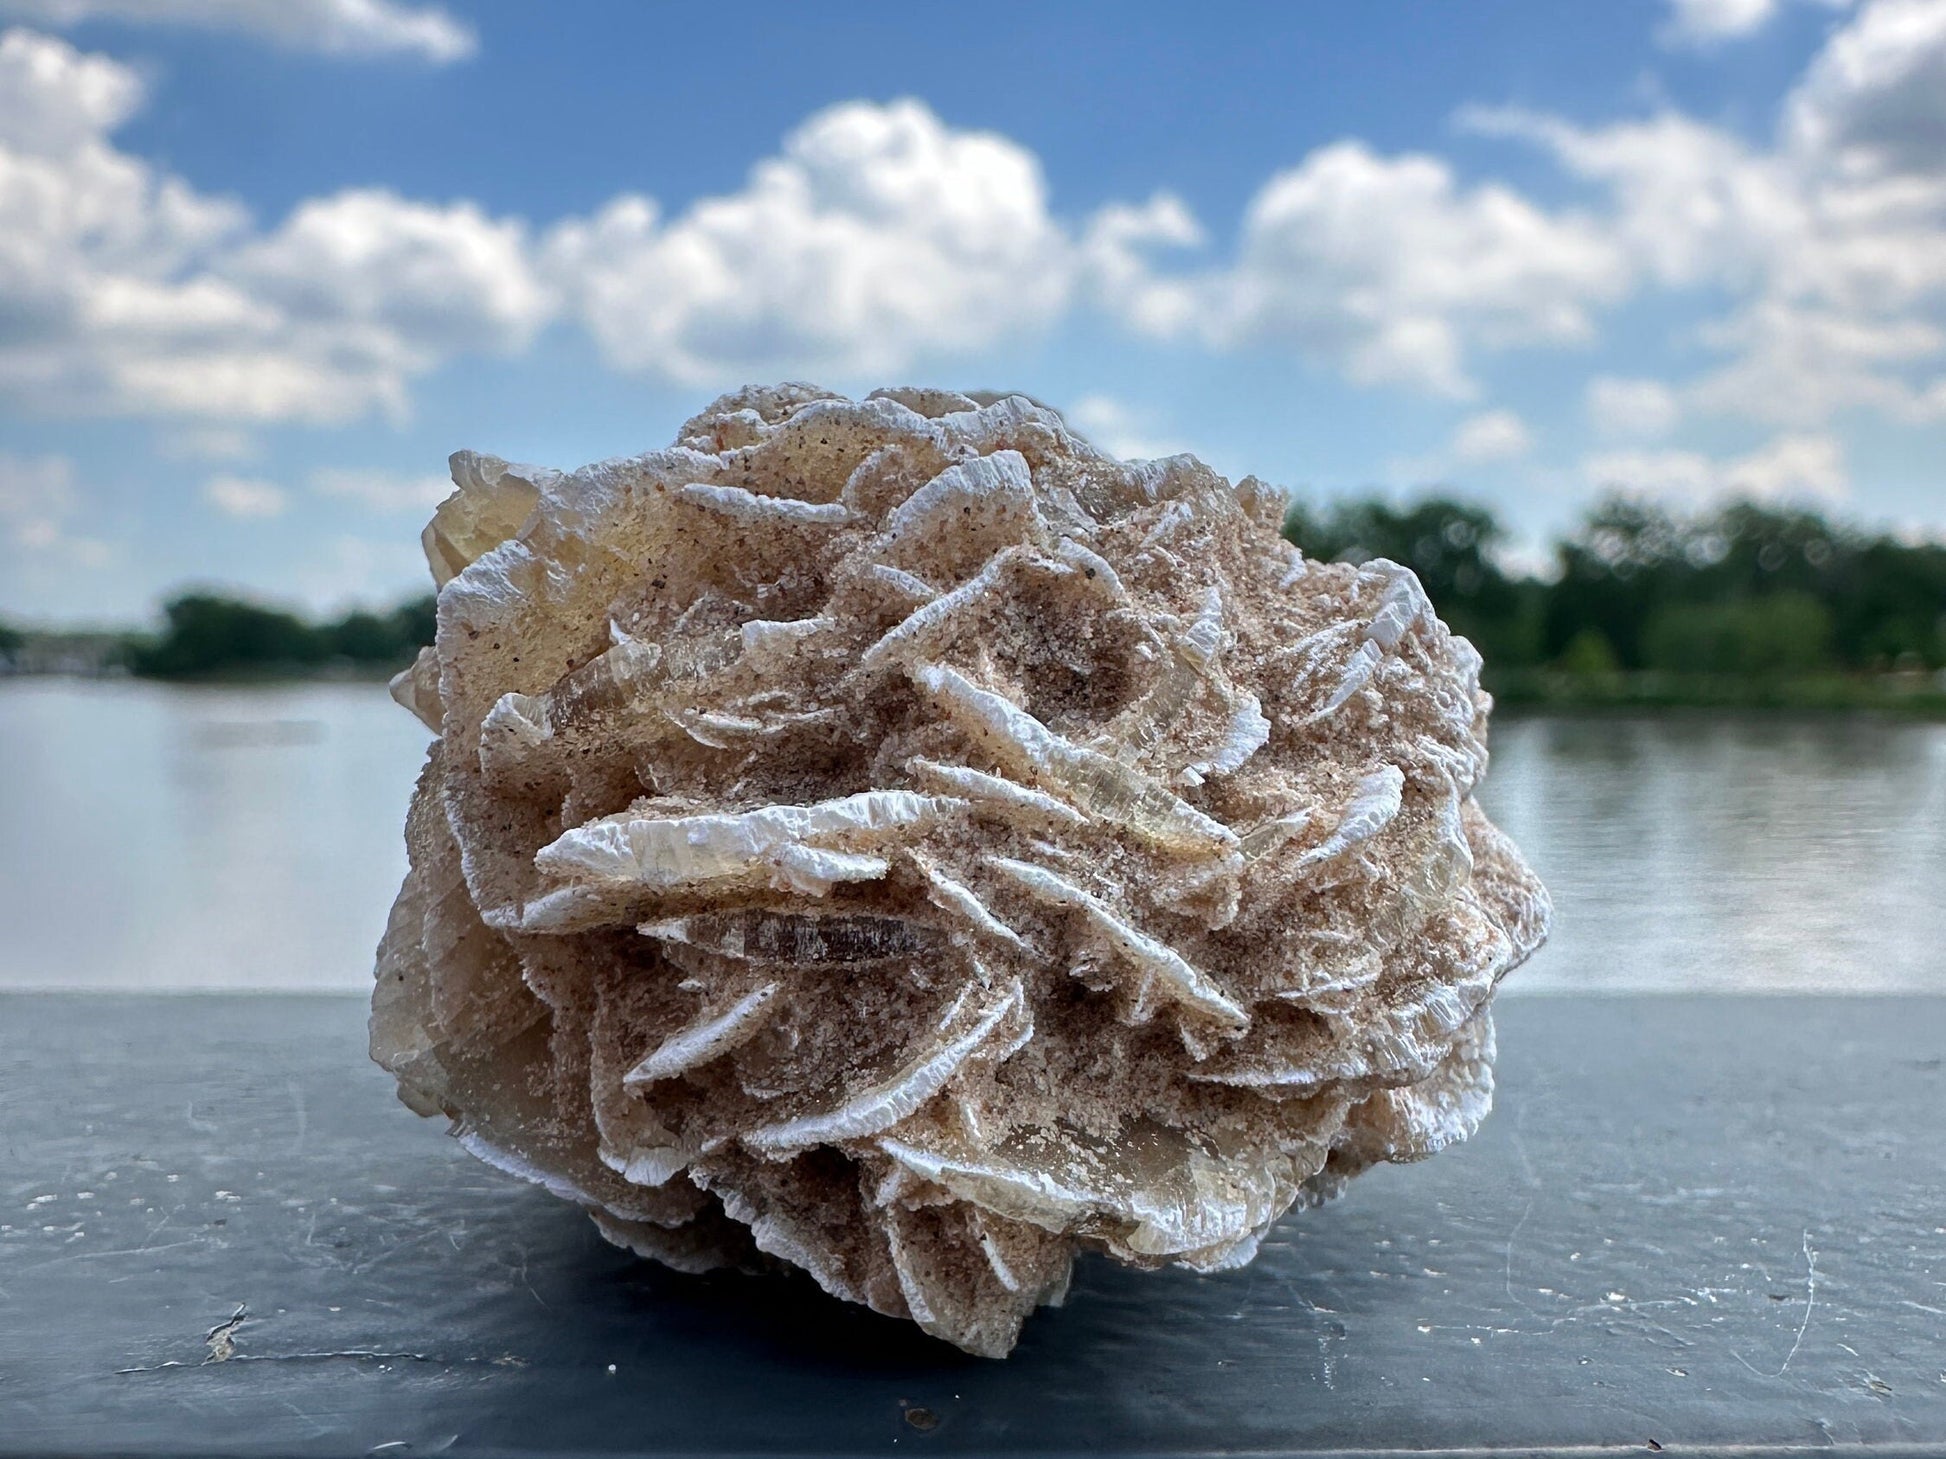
892,839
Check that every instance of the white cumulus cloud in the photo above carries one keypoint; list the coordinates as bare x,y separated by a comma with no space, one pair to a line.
881,240
1490,438
1119,429
1791,467
1118,252
126,291
878,238
245,496
1829,244
36,492
1877,92
1390,271
1494,435
328,27
1706,24
39,501
1631,409
383,491
1794,466
447,278
1800,363
55,101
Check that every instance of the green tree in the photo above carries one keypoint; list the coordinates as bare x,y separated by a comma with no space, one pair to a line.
204,633
1589,655
1635,566
1893,611
1779,635
413,624
1614,573
390,638
364,638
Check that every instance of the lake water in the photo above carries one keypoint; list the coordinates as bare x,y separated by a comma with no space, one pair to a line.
154,837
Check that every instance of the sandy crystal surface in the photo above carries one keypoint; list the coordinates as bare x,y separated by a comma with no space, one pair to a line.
892,838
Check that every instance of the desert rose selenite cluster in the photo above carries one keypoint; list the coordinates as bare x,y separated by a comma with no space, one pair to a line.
893,838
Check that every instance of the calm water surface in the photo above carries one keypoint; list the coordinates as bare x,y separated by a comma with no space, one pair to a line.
228,838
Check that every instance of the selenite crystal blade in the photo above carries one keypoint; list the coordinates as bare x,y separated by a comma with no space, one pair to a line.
894,839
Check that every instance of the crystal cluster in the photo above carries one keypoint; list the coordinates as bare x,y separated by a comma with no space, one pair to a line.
893,838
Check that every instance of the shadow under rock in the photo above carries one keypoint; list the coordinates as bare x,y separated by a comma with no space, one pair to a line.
727,1360
612,1300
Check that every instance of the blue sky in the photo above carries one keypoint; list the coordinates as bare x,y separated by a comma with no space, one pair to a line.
264,263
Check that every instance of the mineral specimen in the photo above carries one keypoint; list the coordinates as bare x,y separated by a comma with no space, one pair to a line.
895,839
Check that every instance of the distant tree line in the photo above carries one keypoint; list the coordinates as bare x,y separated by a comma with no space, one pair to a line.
205,634
1744,590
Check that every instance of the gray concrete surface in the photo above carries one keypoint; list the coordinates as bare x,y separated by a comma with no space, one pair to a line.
1706,1223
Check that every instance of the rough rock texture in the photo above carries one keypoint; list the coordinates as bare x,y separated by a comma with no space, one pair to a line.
893,838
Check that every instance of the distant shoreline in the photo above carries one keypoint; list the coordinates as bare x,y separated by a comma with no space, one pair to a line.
1917,696
1743,605
1519,692
267,676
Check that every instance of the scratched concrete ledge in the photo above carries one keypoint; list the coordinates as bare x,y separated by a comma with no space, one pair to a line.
1709,1224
